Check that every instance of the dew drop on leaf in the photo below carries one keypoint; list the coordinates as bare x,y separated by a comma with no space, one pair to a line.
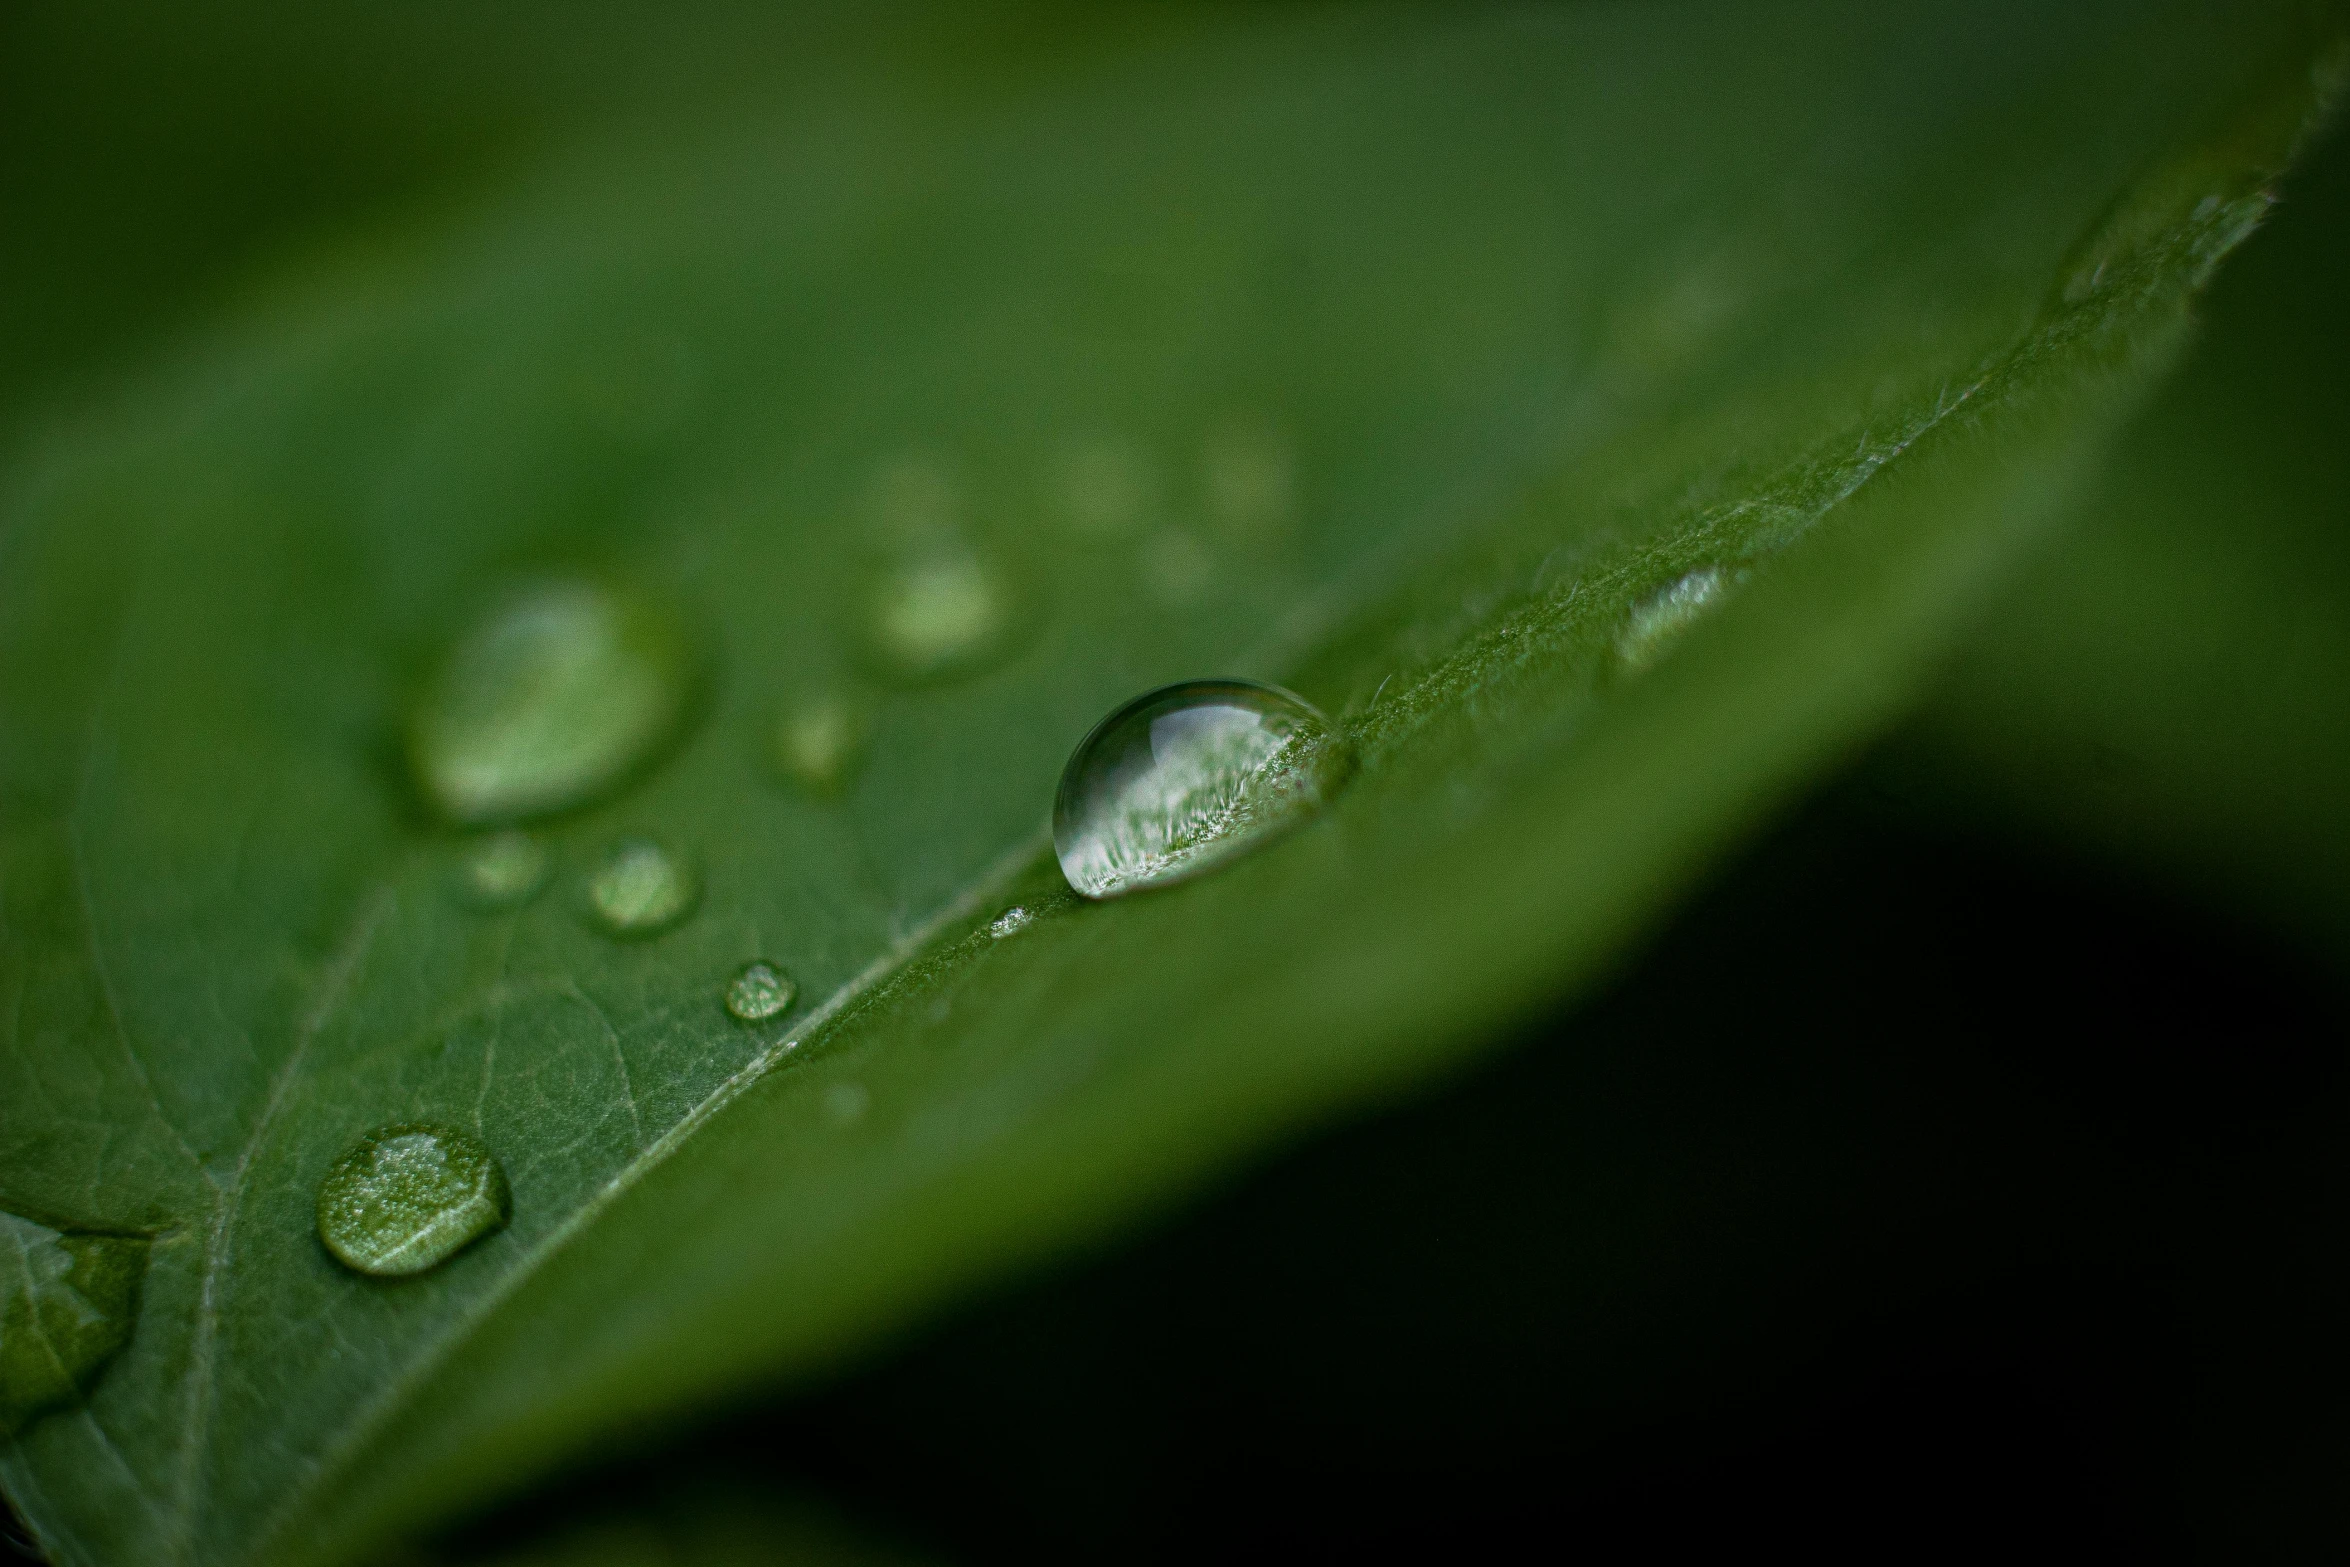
641,889
502,871
1009,923
817,745
405,1198
942,614
1658,621
67,1303
760,990
1189,776
547,702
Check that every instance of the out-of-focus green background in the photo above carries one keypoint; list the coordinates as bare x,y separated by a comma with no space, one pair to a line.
1969,1161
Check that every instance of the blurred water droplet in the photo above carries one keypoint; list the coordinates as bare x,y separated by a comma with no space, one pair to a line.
1658,621
405,1198
845,1104
1009,923
67,1303
819,744
759,991
547,702
1105,489
502,871
940,615
1187,777
641,889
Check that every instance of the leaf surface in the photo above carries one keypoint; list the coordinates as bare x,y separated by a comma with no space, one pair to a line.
1433,358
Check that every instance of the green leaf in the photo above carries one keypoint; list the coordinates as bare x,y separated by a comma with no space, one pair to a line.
2166,684
1606,414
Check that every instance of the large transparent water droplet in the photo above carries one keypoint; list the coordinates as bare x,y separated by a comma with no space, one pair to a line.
1187,777
502,871
408,1197
818,744
641,888
554,697
759,991
67,1303
941,614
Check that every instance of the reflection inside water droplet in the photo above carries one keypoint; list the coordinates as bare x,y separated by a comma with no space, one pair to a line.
67,1304
759,991
405,1198
1659,621
641,888
1189,776
818,744
502,871
547,702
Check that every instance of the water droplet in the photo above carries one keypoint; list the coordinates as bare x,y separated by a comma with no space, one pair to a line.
549,701
1189,776
819,744
641,888
759,991
845,1104
67,1303
407,1197
502,871
1658,621
941,614
1105,489
1009,923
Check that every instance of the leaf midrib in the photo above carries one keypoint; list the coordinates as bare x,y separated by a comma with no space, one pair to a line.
360,1429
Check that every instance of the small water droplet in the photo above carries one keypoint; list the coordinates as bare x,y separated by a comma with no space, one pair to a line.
1009,923
502,871
548,702
819,744
641,888
845,1104
1658,621
759,991
67,1303
941,614
405,1198
1189,776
